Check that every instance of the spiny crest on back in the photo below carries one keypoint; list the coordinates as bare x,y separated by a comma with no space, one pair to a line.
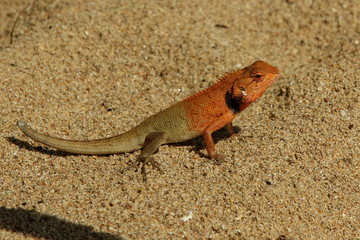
231,76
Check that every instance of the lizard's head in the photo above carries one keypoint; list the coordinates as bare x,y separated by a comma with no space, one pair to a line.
254,80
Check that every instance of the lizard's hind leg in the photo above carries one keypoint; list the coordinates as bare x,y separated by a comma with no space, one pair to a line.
152,142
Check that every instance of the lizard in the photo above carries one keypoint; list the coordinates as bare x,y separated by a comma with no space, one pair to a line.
200,114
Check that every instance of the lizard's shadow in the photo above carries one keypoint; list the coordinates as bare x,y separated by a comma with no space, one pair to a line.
39,225
196,143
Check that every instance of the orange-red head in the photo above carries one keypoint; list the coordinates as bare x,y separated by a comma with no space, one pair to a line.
254,80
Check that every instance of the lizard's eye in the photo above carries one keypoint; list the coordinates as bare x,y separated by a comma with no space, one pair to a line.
258,77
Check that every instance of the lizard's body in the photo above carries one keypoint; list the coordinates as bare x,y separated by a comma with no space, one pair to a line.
200,114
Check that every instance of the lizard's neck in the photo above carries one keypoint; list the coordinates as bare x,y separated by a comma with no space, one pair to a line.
236,103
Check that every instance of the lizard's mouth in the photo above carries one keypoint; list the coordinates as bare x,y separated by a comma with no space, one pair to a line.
274,79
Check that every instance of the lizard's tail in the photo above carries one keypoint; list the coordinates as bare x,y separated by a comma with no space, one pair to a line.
125,142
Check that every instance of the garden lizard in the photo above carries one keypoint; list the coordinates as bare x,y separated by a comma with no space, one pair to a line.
200,114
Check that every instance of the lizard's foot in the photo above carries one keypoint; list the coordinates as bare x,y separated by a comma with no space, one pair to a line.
217,159
143,162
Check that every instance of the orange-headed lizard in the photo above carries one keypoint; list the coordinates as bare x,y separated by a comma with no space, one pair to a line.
200,114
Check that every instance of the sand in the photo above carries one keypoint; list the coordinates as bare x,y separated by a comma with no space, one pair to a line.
92,69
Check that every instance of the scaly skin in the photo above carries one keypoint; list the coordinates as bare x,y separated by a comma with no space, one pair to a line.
200,114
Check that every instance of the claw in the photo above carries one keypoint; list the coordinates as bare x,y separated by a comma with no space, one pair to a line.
143,162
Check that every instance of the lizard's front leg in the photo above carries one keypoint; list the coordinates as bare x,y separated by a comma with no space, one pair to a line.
230,129
216,125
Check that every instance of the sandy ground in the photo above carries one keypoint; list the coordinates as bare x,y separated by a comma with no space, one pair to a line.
91,69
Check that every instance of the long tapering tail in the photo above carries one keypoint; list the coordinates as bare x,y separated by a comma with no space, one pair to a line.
126,142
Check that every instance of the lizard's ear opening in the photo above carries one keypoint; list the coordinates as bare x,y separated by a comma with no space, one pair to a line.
238,90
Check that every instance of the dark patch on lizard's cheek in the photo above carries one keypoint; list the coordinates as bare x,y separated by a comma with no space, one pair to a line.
233,103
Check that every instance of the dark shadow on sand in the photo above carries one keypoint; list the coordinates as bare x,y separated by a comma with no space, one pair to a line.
35,224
